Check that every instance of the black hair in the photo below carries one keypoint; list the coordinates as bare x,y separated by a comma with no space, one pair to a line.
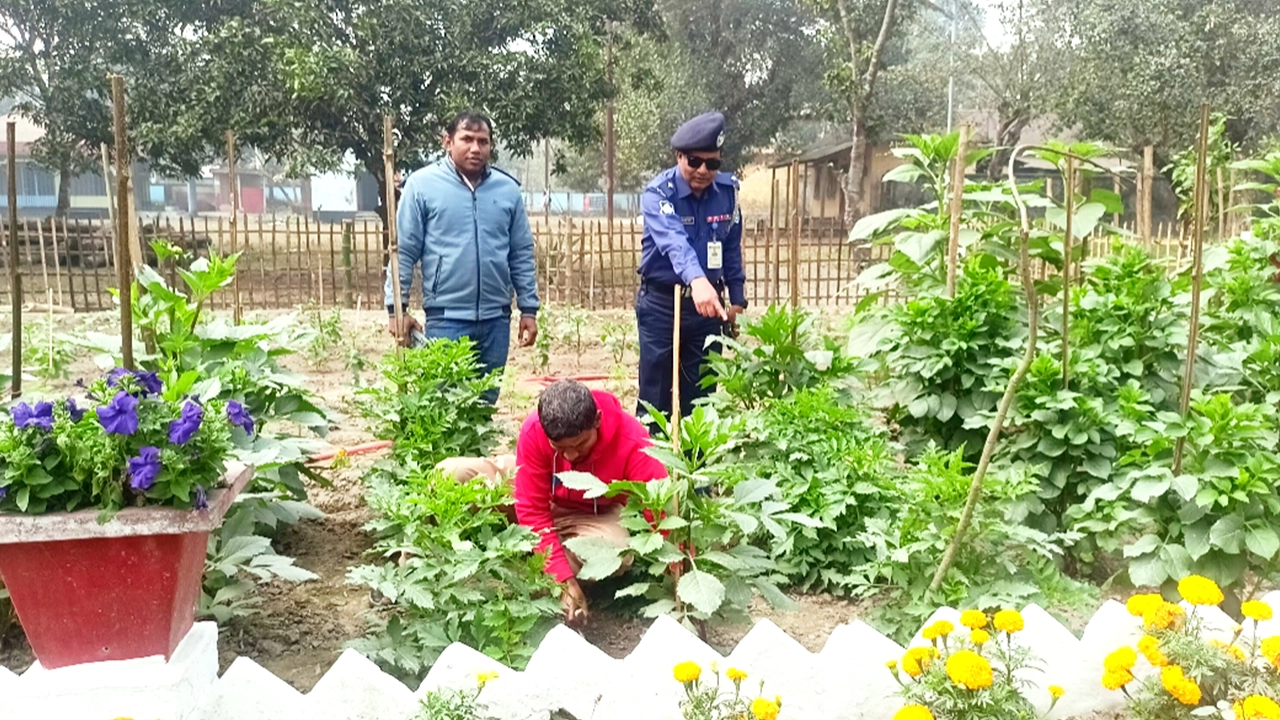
469,119
567,408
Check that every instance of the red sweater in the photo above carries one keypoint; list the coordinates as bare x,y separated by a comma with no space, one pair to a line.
618,455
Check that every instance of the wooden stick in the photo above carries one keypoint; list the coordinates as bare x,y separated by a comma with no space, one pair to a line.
675,411
1144,190
57,261
1068,257
124,270
233,187
15,277
794,259
957,209
1199,219
393,245
44,262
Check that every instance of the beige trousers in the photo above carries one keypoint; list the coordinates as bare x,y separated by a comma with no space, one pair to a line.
567,523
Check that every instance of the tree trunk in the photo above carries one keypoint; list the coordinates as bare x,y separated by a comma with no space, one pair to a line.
64,192
1008,136
855,179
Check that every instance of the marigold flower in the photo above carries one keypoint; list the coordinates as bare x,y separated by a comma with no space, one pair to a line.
892,665
913,712
1009,621
979,637
1140,605
1166,615
1199,590
1256,707
1234,651
1056,691
970,670
942,628
917,659
483,678
1269,648
1179,686
764,709
973,619
1150,649
1256,610
735,675
688,672
1122,659
1116,680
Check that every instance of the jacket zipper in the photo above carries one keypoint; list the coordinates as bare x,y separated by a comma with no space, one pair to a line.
475,234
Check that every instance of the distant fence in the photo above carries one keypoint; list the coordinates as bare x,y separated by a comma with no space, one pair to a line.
291,261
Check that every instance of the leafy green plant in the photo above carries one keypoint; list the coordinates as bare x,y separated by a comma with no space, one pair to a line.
239,559
431,403
705,700
454,703
688,538
48,354
463,573
324,332
542,344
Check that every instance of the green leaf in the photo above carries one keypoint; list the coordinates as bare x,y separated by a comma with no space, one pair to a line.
1144,545
1147,488
636,590
591,486
673,522
873,225
702,590
1177,561
1148,570
647,543
1186,486
754,491
1228,533
1262,541
1196,539
600,558
1097,466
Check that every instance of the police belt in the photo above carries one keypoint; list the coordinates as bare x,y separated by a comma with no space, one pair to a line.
668,290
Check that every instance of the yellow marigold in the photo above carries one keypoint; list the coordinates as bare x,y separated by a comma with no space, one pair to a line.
1179,686
764,709
916,660
736,675
1164,616
1121,659
973,619
1257,707
979,637
483,678
968,669
1009,621
1270,649
1255,610
1140,605
1150,649
892,665
1116,680
913,712
688,672
1234,651
942,628
1199,590
1056,691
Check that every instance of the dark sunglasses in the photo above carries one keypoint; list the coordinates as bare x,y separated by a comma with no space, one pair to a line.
697,162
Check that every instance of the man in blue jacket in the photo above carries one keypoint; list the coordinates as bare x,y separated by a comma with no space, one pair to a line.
464,221
692,239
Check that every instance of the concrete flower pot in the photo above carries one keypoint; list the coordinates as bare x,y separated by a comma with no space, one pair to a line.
88,592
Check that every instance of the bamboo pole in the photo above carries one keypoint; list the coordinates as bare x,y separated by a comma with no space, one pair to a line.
675,408
1197,277
794,221
124,269
15,277
771,289
393,245
233,188
1144,191
1068,257
956,209
1222,206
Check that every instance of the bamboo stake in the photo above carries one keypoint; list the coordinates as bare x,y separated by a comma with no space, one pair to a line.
1144,190
794,259
57,261
1010,391
1068,257
232,186
675,413
15,277
957,208
44,262
1197,278
393,245
124,269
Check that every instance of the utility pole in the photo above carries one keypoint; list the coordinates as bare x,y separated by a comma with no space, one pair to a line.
951,72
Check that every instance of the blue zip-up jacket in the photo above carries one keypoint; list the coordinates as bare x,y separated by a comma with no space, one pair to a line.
475,247
678,225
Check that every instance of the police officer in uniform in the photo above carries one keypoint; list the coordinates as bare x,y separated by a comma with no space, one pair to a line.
692,238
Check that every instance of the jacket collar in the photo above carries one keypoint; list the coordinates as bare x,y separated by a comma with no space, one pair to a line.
448,162
683,189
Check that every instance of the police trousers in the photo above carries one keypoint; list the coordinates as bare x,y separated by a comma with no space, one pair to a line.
655,317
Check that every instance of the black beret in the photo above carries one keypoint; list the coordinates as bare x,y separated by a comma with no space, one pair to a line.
704,133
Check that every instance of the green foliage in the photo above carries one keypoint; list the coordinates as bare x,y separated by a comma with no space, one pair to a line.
55,458
1001,562
325,333
46,353
451,704
238,559
704,700
431,403
462,575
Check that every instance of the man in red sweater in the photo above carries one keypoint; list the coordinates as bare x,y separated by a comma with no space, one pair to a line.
578,429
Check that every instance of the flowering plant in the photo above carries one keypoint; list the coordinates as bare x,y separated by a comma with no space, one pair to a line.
705,701
128,441
1193,677
969,673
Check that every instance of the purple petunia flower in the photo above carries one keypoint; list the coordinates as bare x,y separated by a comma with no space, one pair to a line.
39,416
184,428
144,468
150,382
120,416
3,492
116,374
238,415
75,411
202,498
